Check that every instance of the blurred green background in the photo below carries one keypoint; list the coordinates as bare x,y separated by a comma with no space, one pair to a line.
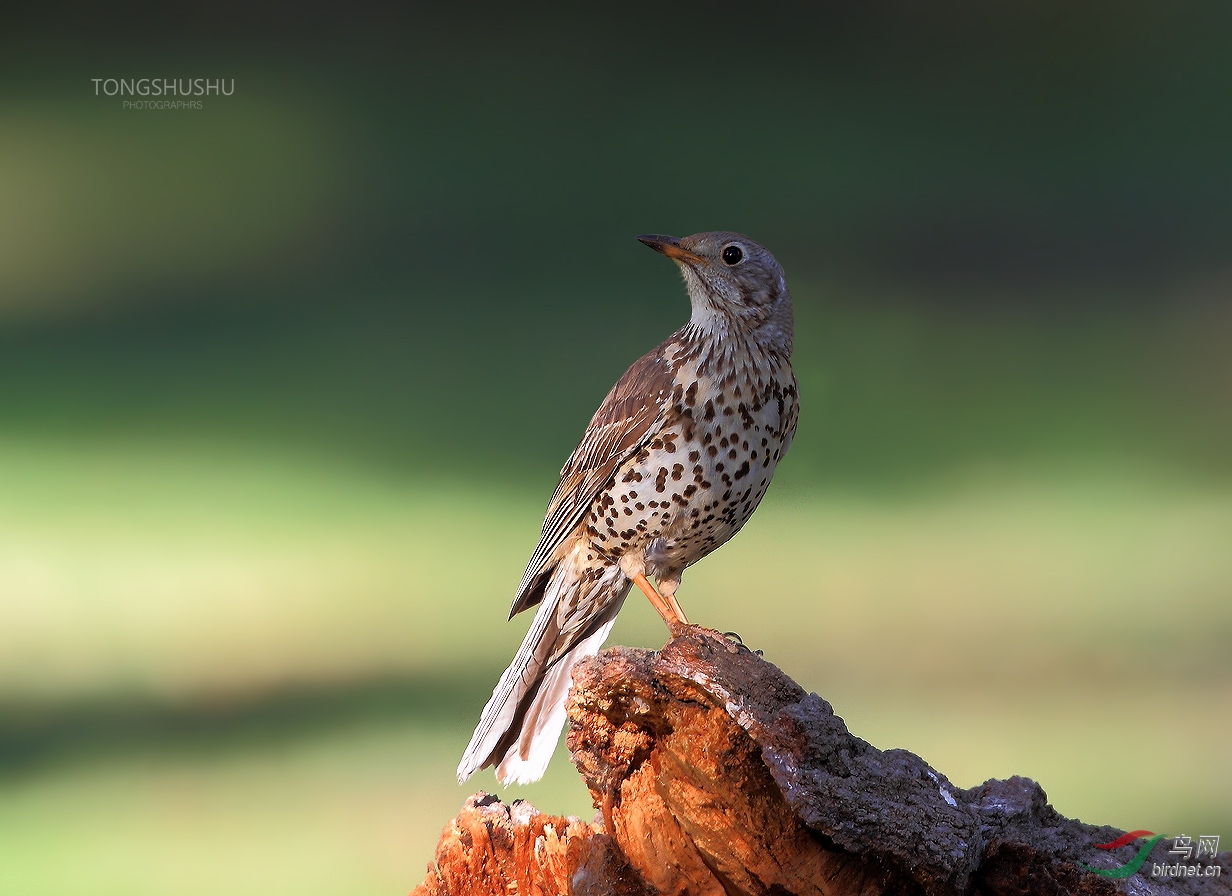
285,382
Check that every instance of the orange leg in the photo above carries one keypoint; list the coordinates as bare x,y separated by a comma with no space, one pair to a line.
671,599
667,608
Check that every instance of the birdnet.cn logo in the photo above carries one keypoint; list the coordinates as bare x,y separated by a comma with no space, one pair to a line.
168,94
1189,853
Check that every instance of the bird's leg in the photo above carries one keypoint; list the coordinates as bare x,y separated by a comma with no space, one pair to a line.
667,585
671,615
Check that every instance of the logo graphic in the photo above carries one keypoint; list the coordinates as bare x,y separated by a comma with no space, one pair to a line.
1182,846
1133,864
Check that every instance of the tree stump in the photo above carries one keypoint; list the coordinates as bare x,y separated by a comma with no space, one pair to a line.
715,773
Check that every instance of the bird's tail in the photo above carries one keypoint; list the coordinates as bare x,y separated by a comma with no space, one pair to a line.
522,722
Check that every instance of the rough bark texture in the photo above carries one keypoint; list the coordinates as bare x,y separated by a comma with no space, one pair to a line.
492,849
715,773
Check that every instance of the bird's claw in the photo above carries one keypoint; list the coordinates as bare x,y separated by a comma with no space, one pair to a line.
739,642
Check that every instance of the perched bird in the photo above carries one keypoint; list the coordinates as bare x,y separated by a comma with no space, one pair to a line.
673,463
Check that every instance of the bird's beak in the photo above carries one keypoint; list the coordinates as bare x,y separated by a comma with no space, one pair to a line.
669,246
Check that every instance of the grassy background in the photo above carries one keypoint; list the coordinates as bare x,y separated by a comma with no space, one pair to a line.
285,382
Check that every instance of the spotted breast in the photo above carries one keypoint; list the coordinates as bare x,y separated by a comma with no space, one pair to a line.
697,482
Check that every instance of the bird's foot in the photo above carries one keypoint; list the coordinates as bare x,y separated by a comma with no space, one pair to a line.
738,643
679,629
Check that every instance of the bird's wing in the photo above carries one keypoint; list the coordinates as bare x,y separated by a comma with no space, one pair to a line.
628,418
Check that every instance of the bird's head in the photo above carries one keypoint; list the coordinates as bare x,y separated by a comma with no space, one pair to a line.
733,283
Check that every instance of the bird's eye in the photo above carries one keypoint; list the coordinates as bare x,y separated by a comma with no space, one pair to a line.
732,255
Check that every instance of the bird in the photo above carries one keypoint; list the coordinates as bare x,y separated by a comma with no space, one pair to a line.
671,466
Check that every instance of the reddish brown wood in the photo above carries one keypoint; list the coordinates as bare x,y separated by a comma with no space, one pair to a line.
717,774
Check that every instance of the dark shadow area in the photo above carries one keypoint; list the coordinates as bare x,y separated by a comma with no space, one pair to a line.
469,266
35,736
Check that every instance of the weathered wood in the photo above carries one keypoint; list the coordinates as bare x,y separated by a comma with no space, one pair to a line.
491,849
715,773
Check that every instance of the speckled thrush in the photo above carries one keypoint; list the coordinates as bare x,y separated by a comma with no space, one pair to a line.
672,464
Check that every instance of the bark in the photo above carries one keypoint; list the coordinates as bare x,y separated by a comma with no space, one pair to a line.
715,773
